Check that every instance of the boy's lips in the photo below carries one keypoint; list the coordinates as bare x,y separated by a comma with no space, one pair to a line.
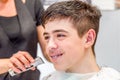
56,56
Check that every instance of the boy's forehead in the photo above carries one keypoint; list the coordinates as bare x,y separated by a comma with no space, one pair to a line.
57,26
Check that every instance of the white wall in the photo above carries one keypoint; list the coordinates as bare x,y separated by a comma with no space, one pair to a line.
108,43
104,4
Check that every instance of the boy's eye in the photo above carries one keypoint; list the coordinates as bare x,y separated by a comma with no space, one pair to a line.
46,37
61,36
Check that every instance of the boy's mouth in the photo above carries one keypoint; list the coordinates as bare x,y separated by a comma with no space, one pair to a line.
56,54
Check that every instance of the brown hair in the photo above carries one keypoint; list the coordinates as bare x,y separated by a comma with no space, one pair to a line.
82,15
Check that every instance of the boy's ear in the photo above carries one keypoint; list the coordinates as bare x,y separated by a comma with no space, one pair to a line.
90,37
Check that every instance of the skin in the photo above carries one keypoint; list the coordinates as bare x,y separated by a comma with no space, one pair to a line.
117,3
66,50
20,59
3,1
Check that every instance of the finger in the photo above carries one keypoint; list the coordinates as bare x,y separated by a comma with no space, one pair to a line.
28,56
24,57
21,56
11,66
17,63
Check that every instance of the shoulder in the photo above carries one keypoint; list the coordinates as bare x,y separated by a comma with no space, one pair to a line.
110,72
35,5
109,69
107,73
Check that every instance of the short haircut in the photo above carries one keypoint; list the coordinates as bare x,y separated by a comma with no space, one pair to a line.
82,15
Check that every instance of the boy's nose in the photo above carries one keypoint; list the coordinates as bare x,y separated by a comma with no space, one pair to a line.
51,45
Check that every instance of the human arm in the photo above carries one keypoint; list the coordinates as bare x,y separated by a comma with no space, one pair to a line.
4,65
40,31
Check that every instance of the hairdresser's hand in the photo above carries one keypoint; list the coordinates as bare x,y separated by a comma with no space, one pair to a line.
19,61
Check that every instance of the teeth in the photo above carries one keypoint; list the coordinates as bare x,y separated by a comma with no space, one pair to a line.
56,56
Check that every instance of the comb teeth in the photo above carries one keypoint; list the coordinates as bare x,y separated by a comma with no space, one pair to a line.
37,62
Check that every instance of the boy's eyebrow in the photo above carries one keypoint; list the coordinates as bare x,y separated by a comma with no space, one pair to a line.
45,33
60,30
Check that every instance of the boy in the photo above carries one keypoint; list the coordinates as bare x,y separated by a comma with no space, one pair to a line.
71,29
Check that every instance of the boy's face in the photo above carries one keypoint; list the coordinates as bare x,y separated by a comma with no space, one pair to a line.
64,47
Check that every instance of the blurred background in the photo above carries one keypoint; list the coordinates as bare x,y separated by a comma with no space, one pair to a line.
107,47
